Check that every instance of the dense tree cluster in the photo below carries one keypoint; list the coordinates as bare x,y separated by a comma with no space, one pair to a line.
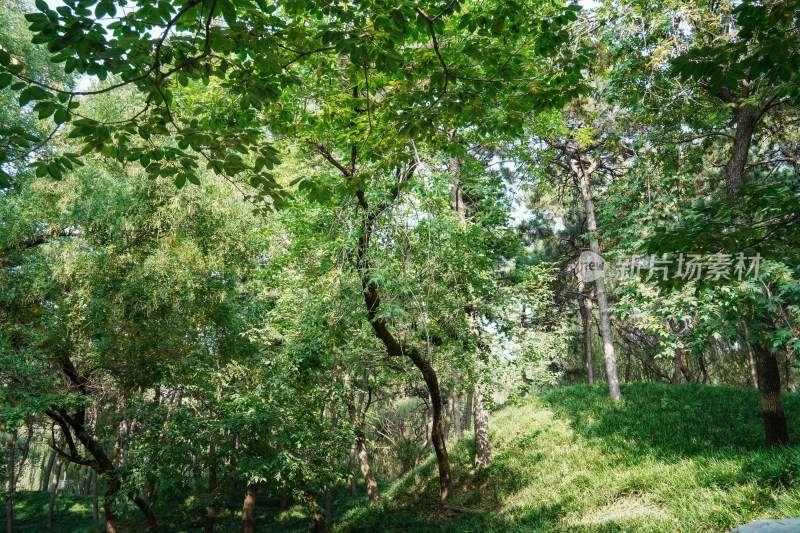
253,248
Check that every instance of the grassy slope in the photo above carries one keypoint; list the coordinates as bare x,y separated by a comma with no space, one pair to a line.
672,459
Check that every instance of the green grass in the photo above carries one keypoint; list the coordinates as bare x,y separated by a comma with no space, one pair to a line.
72,513
672,459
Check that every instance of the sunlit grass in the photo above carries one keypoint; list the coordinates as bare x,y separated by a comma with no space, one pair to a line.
672,459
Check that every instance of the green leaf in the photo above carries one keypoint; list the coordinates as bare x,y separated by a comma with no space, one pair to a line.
60,115
55,171
180,181
5,58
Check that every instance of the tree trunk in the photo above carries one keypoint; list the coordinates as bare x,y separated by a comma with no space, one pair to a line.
320,526
746,118
249,509
429,427
769,379
585,307
53,491
394,348
108,506
86,481
12,482
211,512
628,367
142,503
437,431
600,284
352,468
284,500
701,360
468,412
788,368
687,372
448,417
48,471
328,506
366,471
456,418
750,355
676,367
95,506
483,452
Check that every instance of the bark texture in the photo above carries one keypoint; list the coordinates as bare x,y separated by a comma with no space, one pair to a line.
249,509
53,492
12,487
585,307
211,511
584,175
483,451
468,412
769,380
366,471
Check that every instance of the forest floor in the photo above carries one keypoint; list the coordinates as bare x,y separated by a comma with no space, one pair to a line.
671,459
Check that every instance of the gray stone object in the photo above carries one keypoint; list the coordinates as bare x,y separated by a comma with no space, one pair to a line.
788,525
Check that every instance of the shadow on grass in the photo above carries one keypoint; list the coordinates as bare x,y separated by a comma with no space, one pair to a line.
670,420
72,513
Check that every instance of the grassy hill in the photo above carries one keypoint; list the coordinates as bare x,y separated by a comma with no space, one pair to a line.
672,459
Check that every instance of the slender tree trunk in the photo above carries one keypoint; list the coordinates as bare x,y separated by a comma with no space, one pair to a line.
468,412
585,307
769,379
284,500
701,360
48,471
788,368
676,367
95,506
457,415
483,451
429,427
211,512
53,491
328,505
456,418
394,348
352,467
687,372
750,355
12,482
320,526
628,367
142,503
746,117
448,417
768,373
600,284
249,509
366,471
108,506
86,481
